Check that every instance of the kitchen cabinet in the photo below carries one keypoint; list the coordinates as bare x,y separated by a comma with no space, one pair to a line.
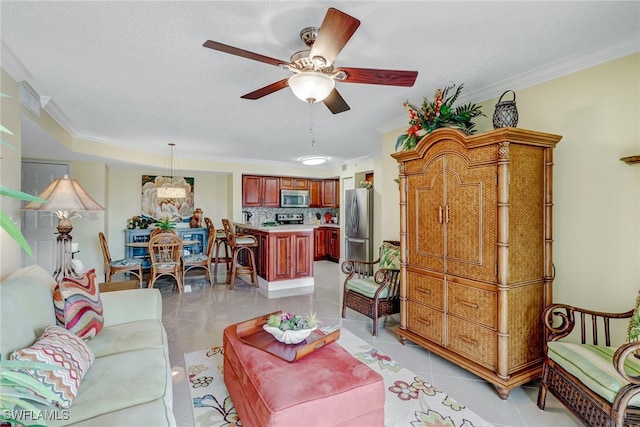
476,237
315,200
330,196
327,244
141,236
260,191
320,243
281,254
287,183
324,193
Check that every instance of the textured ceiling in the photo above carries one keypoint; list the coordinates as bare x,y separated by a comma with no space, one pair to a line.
135,74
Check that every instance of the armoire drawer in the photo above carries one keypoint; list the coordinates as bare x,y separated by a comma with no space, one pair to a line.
425,321
425,289
472,340
472,303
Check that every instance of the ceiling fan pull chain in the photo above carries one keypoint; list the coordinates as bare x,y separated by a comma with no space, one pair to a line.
311,130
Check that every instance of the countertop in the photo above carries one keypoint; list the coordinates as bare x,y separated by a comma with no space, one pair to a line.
284,228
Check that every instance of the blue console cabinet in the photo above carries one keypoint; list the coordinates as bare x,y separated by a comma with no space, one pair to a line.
200,235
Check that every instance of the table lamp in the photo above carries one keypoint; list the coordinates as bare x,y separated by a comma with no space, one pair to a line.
65,197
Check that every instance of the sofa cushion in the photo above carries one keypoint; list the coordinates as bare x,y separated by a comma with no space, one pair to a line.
82,305
128,337
15,328
58,346
32,287
633,333
366,287
389,256
122,381
593,366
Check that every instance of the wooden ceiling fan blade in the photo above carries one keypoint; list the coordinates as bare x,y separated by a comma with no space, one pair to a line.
335,103
335,31
374,76
267,90
243,53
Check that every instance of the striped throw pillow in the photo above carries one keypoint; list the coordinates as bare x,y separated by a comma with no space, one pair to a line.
82,305
59,347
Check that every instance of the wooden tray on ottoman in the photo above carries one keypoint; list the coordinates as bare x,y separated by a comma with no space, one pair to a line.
250,332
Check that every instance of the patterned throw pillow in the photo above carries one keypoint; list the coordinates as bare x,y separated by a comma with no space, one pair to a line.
78,306
390,256
59,347
633,333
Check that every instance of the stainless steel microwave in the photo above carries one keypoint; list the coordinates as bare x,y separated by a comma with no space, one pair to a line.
294,198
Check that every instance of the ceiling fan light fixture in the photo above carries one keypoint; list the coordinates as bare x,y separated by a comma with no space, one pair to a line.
313,160
311,86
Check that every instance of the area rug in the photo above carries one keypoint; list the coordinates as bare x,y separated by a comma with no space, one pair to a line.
409,400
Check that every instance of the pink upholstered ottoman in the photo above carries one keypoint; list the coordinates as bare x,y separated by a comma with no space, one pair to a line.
326,388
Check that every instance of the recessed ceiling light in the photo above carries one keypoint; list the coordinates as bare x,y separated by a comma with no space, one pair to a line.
314,160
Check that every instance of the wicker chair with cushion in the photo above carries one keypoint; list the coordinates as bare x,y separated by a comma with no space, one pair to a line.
599,383
239,243
165,250
202,260
373,294
113,267
220,240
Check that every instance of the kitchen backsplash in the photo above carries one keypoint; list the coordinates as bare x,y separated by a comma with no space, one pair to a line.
260,215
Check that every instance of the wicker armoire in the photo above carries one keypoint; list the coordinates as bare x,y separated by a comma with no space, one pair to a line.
476,240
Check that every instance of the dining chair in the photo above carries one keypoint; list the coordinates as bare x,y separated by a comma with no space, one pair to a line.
201,260
125,265
165,250
220,240
239,243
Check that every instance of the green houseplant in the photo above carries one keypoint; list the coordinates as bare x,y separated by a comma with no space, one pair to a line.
435,114
165,224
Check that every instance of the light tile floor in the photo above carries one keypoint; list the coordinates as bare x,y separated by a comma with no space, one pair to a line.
195,320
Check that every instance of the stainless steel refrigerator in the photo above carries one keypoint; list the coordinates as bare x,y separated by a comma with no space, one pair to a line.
358,224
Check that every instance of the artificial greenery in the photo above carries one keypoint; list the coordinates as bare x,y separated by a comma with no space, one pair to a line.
292,322
436,114
18,388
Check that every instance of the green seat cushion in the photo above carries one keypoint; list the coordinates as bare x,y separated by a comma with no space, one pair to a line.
593,366
633,333
125,262
390,256
366,287
195,258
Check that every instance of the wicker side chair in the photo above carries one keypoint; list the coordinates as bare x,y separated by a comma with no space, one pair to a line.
220,240
374,294
165,250
599,383
113,267
201,260
239,243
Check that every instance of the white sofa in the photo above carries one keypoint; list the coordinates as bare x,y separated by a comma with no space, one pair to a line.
130,381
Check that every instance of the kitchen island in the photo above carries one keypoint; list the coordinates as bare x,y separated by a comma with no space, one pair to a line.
284,258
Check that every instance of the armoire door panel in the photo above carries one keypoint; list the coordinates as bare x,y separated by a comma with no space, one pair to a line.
425,226
470,219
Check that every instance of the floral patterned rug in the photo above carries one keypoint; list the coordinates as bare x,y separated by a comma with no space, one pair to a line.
409,400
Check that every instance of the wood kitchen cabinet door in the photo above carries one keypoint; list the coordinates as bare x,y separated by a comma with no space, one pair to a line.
319,243
260,191
315,192
329,193
287,183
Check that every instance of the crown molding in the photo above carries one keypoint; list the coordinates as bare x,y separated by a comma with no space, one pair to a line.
569,65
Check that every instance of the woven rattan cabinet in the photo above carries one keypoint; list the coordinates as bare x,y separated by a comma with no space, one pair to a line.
476,243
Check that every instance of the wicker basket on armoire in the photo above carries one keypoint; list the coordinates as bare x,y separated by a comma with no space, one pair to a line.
476,237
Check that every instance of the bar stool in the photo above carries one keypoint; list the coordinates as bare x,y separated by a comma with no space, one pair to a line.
239,243
220,239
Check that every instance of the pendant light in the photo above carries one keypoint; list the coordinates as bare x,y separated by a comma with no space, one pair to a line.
171,191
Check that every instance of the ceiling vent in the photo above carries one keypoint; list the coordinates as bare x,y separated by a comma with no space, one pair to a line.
30,99
344,167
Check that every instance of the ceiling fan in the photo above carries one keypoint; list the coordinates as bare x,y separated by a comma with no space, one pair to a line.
314,73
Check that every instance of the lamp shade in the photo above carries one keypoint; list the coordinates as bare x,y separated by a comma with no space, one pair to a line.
64,194
172,193
311,86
